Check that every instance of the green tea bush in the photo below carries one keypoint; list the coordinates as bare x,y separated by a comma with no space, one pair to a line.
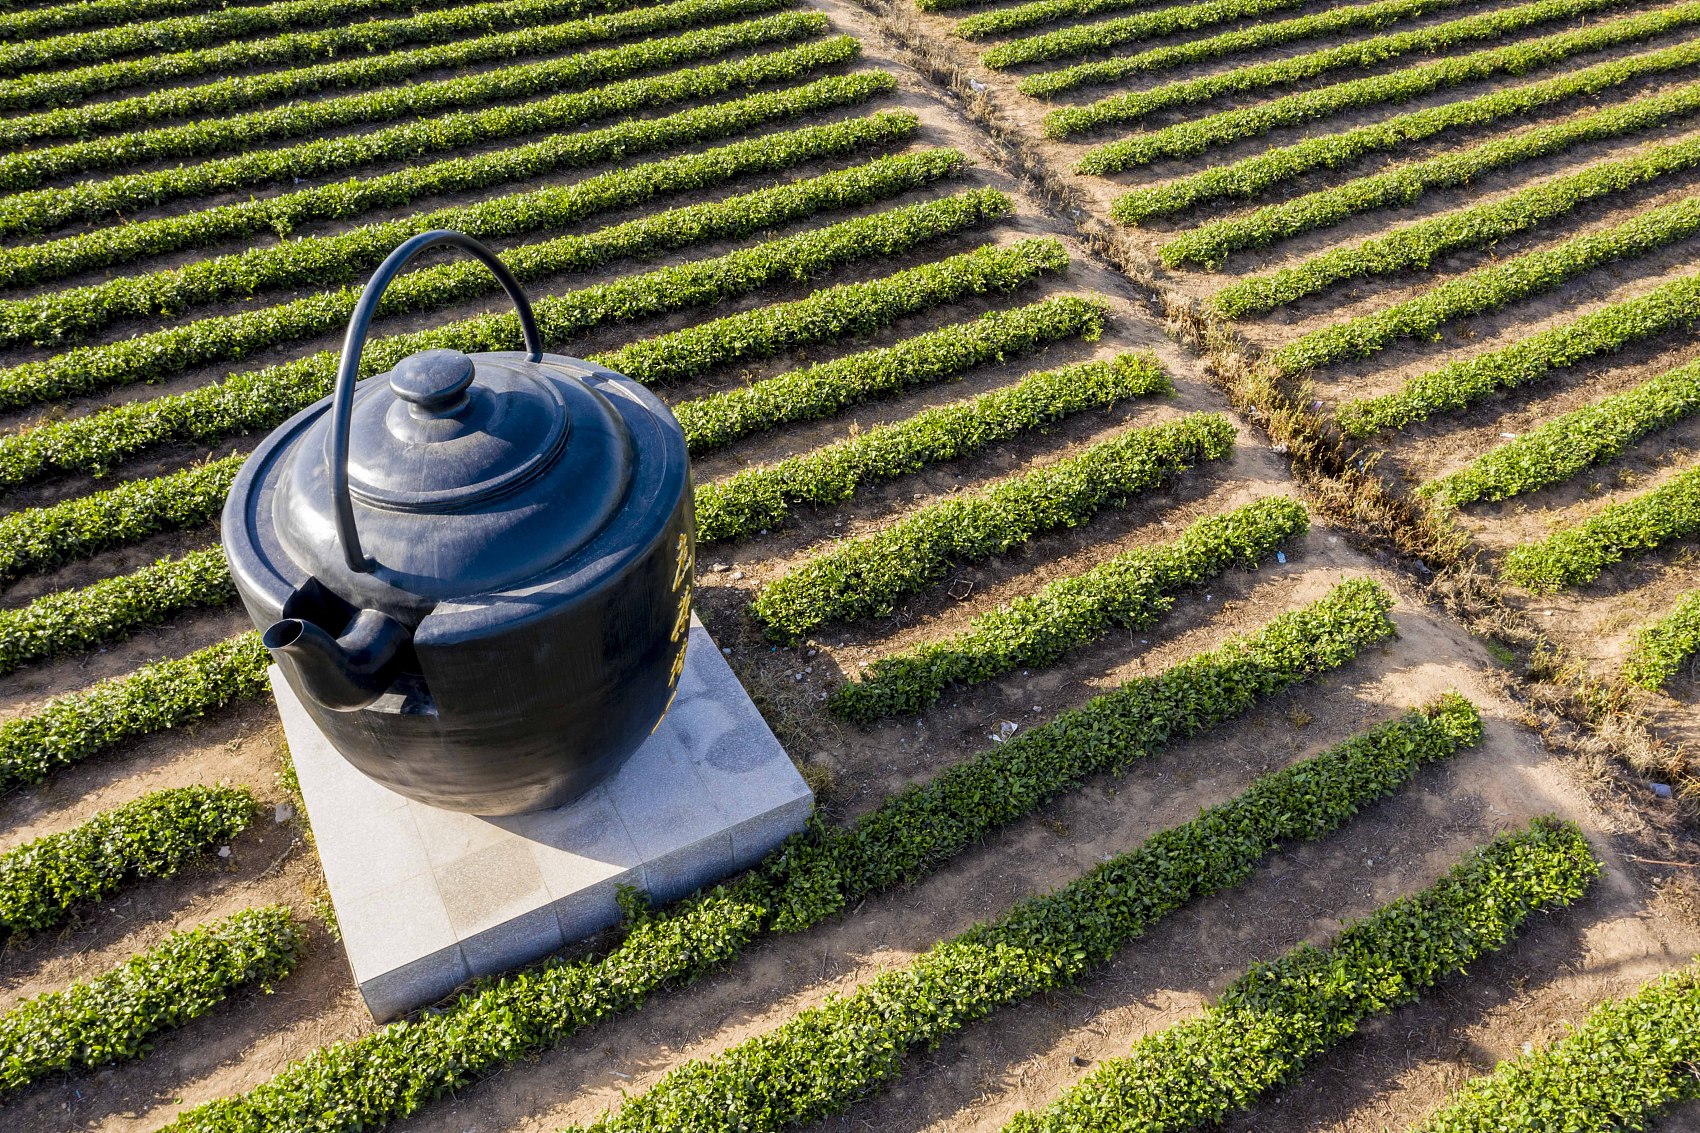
1203,134
243,133
717,419
141,35
862,577
74,726
845,311
1092,39
1281,166
760,499
1574,555
1658,651
60,315
114,1016
1281,1014
1117,109
106,247
1563,447
244,91
823,1058
1131,591
1037,12
1491,287
40,538
1211,244
113,608
153,836
107,201
1629,1060
1463,383
367,1082
1416,246
514,214
263,398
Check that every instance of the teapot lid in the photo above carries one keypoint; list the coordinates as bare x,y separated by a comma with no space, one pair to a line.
466,474
434,441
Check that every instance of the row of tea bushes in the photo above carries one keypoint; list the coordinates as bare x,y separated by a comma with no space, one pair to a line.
1575,555
110,200
1627,1061
1658,651
1283,1013
1129,591
259,399
863,577
1188,139
154,836
112,609
1254,176
29,168
74,726
1417,246
1492,287
1209,245
149,35
58,315
385,1076
1120,109
114,1016
323,261
1563,447
1033,14
1092,39
348,200
761,499
1458,385
820,1060
70,86
243,91
825,388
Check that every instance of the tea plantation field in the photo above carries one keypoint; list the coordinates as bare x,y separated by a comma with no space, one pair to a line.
1206,493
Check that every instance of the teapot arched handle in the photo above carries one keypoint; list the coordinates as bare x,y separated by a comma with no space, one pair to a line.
348,371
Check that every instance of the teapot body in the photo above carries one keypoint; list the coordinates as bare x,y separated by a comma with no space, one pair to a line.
524,656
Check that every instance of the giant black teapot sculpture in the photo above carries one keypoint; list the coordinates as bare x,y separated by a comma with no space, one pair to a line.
475,571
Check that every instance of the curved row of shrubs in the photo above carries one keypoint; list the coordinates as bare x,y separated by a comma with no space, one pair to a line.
1657,652
383,1077
1210,244
43,210
510,214
115,1015
761,499
1188,139
1492,287
1418,245
1574,555
242,92
67,314
1280,166
1561,448
208,136
1091,39
1373,16
1129,591
863,577
824,1058
1281,1014
156,835
1458,385
717,419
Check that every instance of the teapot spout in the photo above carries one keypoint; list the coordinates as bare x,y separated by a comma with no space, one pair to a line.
344,673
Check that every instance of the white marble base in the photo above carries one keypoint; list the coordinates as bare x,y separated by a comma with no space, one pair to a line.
427,899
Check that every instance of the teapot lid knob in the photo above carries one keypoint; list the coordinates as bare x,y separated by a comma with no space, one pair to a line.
433,382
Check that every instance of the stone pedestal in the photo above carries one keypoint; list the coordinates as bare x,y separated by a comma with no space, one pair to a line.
427,898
